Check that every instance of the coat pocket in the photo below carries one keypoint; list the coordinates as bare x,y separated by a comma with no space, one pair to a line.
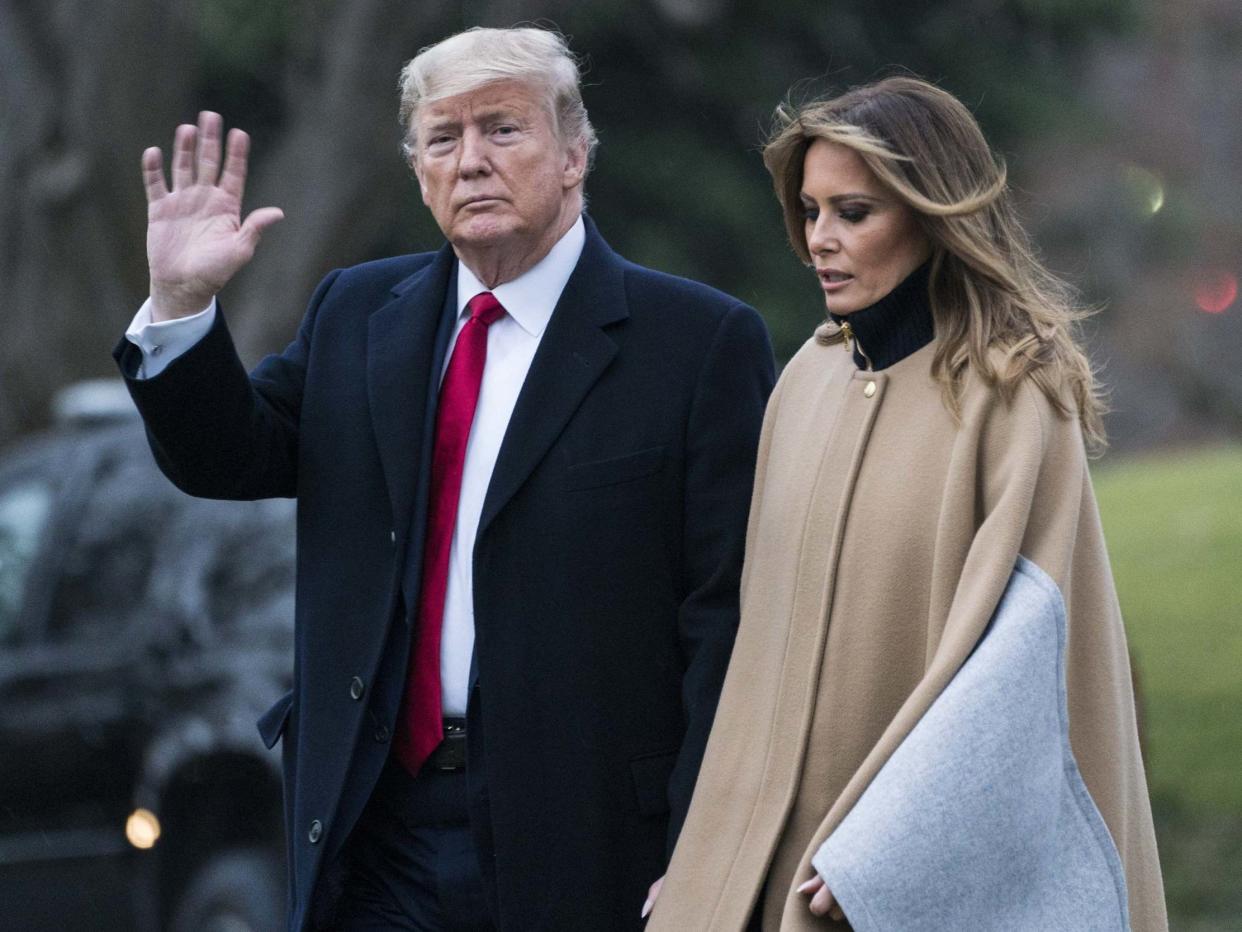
651,774
271,724
614,470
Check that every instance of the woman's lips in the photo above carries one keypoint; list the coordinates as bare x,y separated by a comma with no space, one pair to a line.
834,281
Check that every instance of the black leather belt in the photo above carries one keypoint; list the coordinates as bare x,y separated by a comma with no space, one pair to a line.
450,754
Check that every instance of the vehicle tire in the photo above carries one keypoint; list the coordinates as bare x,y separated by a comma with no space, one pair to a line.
237,890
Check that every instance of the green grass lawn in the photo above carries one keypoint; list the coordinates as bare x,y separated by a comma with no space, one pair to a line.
1174,528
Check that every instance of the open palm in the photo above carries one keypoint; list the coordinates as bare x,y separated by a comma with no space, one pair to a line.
196,238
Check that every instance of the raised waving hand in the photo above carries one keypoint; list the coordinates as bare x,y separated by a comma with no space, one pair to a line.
196,238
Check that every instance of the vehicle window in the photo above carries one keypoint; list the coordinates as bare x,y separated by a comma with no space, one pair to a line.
253,567
104,578
24,511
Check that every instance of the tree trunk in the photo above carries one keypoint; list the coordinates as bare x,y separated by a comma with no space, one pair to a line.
82,90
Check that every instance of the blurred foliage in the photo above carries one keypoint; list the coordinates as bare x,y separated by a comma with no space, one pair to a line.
1090,102
682,111
681,92
243,47
1174,527
240,38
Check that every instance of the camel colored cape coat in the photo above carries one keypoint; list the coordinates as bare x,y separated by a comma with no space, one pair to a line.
882,538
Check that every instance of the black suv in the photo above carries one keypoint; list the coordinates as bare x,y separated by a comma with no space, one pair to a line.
142,633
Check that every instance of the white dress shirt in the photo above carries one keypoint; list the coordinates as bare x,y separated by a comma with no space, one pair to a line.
162,341
512,340
528,301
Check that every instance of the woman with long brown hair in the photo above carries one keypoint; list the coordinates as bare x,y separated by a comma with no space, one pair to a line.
928,720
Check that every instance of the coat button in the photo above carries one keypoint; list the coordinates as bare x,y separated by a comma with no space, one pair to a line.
869,389
356,688
316,832
382,734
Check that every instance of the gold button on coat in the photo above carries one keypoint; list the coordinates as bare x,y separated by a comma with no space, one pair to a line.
869,389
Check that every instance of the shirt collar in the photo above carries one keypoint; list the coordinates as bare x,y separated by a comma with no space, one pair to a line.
531,297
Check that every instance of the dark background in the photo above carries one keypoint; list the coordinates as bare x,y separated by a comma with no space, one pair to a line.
1120,120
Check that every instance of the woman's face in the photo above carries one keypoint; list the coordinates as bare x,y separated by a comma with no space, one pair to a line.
863,241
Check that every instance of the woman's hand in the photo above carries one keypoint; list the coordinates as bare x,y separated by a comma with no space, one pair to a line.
822,902
652,892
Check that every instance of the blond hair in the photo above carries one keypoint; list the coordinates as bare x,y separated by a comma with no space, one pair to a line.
988,288
468,60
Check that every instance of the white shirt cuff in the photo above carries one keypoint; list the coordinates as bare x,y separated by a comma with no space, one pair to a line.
163,341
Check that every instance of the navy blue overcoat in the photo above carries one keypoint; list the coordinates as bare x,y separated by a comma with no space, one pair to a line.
606,566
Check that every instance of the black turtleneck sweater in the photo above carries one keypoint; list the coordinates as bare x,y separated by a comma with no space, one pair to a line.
895,326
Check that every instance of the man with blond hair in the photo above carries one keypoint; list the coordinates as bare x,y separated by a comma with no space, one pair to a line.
523,467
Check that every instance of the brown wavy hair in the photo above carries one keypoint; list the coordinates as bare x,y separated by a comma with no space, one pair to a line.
988,287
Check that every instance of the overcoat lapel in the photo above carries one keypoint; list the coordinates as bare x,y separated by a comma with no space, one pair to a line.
572,355
404,356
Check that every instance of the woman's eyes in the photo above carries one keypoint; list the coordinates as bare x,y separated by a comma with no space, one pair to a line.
848,214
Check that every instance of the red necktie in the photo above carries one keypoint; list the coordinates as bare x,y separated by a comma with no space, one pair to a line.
420,726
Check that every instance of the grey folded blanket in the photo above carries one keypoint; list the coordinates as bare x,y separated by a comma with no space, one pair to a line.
980,819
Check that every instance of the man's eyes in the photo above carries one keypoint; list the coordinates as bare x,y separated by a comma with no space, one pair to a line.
443,140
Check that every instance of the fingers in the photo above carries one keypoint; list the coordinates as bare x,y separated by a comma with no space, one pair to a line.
813,885
259,220
821,902
153,174
196,157
824,904
183,156
233,178
208,167
652,893
654,890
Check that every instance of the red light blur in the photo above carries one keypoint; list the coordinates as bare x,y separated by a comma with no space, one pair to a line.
1215,292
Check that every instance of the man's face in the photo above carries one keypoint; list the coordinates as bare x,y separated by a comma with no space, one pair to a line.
493,172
